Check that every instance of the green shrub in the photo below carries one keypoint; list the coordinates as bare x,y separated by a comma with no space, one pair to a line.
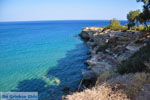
115,25
147,29
136,62
141,28
138,28
123,28
114,22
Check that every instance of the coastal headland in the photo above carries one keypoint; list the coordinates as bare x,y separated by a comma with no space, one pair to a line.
118,67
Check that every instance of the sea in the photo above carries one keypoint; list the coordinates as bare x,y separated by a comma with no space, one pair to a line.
43,56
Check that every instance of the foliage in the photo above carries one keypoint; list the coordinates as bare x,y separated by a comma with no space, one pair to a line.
141,28
146,13
136,62
133,18
142,18
147,29
144,1
114,22
134,83
115,25
104,76
137,16
138,28
104,91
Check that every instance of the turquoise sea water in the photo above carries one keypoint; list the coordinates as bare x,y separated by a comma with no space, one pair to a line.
43,56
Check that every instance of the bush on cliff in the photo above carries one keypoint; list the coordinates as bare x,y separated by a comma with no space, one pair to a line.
138,28
136,63
141,28
115,25
147,29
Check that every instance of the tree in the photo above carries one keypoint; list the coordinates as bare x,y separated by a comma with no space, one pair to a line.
115,25
145,15
133,18
144,1
114,22
141,18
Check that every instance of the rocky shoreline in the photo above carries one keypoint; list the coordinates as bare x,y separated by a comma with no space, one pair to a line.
107,50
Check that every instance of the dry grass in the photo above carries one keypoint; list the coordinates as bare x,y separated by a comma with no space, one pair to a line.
103,92
103,77
135,84
124,87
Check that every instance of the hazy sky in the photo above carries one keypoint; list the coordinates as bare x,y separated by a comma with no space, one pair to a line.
25,10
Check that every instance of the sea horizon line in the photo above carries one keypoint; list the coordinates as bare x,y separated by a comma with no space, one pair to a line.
63,20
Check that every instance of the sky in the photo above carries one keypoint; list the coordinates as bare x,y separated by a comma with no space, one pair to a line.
31,10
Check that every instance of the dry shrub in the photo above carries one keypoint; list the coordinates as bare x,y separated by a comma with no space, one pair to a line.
136,83
103,92
132,82
103,77
125,87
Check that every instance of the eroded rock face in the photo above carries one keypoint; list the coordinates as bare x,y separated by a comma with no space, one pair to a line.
88,74
84,35
109,48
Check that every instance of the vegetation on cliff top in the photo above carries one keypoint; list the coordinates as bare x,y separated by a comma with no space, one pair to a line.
137,17
115,25
131,80
137,20
136,63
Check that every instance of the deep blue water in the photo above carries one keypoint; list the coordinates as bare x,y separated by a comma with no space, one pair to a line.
43,56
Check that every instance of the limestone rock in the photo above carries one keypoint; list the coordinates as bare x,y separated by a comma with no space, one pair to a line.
88,74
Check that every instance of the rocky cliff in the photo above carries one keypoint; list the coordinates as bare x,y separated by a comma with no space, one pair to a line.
108,49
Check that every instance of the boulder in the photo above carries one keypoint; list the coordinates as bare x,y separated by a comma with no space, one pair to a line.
101,67
84,35
133,48
88,74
